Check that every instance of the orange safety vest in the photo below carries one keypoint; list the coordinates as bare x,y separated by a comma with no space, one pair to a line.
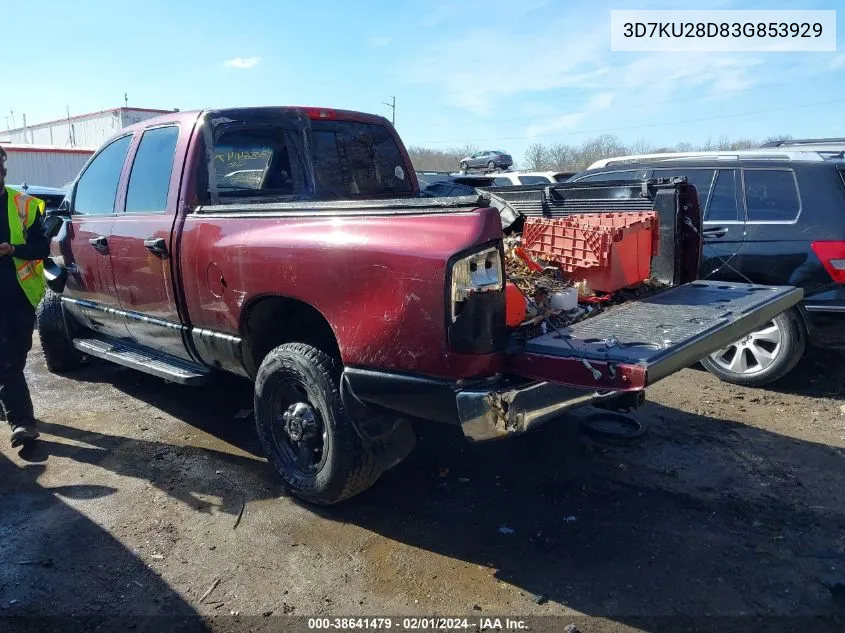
23,210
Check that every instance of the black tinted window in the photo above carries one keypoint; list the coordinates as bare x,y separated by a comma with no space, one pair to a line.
357,159
613,175
502,182
723,207
149,180
440,189
533,180
701,179
771,195
97,187
258,161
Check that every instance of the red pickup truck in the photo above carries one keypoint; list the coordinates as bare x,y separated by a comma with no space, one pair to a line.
292,246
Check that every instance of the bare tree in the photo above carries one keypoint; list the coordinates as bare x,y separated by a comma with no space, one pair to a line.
536,157
563,157
723,143
642,146
778,137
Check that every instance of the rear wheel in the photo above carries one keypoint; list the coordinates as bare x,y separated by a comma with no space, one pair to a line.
304,429
491,165
59,353
762,356
464,166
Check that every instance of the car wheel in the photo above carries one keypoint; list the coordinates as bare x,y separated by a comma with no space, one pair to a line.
305,431
59,353
491,165
464,166
763,356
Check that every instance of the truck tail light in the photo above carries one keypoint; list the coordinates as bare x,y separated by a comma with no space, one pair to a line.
476,273
320,113
832,256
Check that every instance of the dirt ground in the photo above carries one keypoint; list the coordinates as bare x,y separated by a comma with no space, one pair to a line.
732,504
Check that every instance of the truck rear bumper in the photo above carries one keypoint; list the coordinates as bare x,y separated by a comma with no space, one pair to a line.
489,409
499,412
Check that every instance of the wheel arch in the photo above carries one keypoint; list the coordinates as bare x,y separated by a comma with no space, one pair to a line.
268,321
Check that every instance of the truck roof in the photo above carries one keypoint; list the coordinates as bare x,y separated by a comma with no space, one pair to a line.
311,112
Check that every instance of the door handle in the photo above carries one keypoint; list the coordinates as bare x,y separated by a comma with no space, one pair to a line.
156,245
716,231
99,242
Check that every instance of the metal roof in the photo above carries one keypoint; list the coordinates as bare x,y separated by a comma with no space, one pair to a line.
24,147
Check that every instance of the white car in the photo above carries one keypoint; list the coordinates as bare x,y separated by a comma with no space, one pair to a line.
517,178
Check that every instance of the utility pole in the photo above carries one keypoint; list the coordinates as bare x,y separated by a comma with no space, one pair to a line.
126,99
392,107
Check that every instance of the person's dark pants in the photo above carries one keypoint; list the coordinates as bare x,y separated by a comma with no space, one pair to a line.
16,327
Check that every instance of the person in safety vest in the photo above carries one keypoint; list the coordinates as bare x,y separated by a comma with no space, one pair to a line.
23,246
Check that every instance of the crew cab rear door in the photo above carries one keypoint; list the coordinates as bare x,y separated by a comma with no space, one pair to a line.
635,344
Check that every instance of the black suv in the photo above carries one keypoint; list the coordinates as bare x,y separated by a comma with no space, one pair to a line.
770,217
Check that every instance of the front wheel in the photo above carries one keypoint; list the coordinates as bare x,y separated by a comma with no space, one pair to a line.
763,356
59,353
464,166
491,166
305,431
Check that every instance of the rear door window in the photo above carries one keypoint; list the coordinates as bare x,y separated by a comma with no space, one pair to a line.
771,195
701,179
502,182
149,180
723,205
357,160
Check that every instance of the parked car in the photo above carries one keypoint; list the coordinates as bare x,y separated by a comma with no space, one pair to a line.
771,217
488,159
444,184
51,196
353,304
518,178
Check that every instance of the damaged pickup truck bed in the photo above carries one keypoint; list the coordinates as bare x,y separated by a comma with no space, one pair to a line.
290,246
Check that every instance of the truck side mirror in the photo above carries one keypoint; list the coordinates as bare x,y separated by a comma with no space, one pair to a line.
55,275
63,211
52,225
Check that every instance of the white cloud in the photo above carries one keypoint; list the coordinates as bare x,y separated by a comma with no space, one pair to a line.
482,79
596,103
379,42
243,63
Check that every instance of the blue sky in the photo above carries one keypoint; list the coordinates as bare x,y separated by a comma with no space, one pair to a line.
496,73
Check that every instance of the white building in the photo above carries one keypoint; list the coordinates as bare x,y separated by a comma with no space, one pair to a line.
44,166
86,130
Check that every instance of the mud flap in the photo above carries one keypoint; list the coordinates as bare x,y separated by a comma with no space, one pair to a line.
638,343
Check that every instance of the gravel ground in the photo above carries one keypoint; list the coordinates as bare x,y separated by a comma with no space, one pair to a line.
141,496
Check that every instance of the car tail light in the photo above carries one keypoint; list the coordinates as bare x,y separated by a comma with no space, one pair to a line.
476,273
832,256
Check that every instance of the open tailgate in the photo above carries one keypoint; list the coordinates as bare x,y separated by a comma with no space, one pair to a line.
633,345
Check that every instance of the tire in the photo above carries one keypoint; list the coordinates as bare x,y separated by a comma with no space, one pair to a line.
491,166
303,382
59,353
464,166
767,354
